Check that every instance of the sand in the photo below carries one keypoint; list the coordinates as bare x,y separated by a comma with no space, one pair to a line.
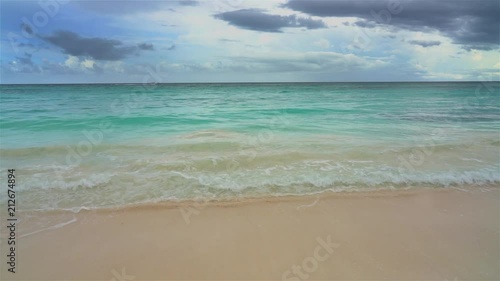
419,234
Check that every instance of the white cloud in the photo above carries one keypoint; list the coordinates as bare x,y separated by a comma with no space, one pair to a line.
72,62
87,63
76,63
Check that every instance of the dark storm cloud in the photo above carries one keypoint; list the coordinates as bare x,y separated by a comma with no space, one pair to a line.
146,46
424,43
255,19
473,24
96,48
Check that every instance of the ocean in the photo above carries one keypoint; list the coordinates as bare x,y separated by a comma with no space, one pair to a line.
79,147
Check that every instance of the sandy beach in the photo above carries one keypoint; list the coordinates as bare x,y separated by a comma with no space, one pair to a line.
440,234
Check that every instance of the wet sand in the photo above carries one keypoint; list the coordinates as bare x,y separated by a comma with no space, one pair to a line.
424,234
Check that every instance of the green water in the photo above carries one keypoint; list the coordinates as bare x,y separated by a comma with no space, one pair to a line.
90,146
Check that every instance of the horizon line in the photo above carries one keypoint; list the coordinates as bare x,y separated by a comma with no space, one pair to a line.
301,82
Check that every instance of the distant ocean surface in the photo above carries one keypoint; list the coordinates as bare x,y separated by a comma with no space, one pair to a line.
98,146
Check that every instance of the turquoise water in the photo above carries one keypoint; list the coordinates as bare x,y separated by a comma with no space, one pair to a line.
91,146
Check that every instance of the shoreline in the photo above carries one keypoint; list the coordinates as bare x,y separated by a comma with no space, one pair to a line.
424,233
235,201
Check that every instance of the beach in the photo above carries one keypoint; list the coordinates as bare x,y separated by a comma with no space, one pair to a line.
417,234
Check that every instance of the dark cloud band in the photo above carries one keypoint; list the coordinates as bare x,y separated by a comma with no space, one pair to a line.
424,43
473,24
96,48
258,20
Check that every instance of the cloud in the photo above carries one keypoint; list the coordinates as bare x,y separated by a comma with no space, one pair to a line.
258,20
322,43
28,45
425,43
26,59
283,62
472,24
310,61
188,3
96,48
27,28
76,64
118,7
365,24
146,46
21,64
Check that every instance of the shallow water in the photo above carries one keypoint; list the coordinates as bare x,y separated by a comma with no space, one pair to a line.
91,146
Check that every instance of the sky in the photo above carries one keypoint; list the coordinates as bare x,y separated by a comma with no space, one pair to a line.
76,41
